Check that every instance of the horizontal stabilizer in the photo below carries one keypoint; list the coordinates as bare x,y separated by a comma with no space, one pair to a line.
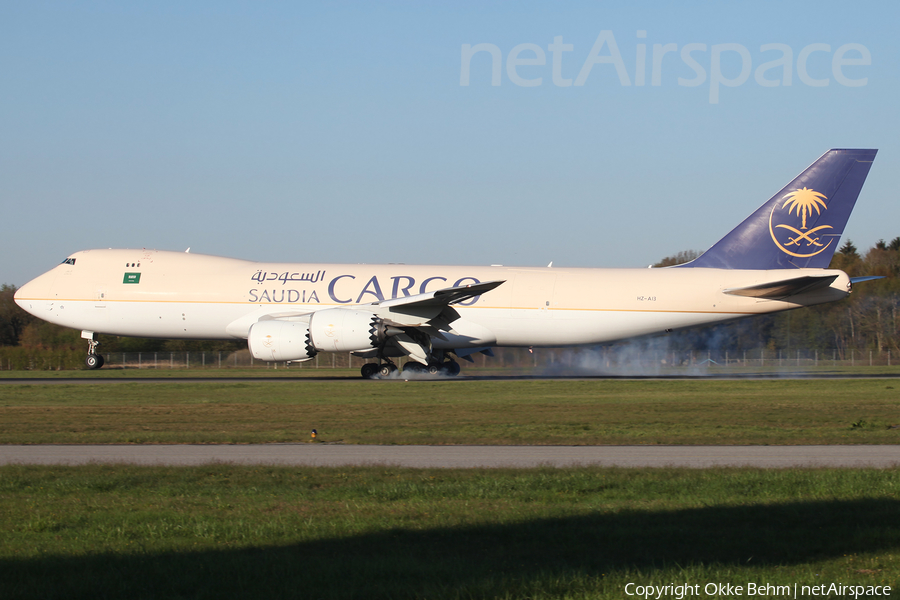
785,287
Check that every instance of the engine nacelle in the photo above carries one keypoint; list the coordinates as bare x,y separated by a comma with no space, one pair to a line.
345,330
275,341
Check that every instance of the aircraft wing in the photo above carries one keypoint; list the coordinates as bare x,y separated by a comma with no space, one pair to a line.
442,297
428,305
408,324
784,288
414,319
431,309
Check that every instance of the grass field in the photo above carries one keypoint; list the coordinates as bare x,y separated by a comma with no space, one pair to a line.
456,412
225,531
242,532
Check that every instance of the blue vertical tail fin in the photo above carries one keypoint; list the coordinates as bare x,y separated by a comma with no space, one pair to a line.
800,226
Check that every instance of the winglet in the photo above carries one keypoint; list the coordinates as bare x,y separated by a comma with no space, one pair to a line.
800,226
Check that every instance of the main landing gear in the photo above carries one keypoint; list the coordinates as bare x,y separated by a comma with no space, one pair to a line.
93,360
448,368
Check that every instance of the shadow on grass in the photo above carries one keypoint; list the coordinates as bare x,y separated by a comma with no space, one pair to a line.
476,561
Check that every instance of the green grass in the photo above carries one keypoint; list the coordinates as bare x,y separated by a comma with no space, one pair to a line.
243,532
258,532
456,412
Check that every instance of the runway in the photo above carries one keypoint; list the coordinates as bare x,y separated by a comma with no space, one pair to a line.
332,455
100,380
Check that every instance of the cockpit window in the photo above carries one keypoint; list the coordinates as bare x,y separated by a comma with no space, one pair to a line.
68,261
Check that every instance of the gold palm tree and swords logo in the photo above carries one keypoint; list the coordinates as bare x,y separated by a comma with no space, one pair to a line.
802,242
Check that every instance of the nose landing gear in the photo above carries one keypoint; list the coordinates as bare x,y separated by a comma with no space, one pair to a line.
93,360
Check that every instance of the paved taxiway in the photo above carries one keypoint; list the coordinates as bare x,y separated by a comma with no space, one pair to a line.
316,454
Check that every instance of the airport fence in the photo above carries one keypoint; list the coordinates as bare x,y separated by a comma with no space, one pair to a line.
17,358
626,357
614,359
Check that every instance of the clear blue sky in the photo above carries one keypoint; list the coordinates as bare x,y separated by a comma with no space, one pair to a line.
342,133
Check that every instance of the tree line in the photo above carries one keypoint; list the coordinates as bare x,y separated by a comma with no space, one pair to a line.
867,320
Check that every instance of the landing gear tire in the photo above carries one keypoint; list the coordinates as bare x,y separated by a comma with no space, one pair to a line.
434,369
414,367
451,368
93,361
386,370
369,370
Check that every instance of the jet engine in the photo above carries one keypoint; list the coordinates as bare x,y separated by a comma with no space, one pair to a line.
345,330
276,341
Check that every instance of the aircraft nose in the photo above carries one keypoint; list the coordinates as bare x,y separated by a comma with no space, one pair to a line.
36,291
20,296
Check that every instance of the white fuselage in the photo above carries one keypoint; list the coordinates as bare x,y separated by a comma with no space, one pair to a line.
150,293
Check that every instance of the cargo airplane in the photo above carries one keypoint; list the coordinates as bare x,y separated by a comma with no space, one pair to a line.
775,260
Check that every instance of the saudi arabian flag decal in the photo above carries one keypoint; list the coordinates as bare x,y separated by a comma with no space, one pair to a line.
132,278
